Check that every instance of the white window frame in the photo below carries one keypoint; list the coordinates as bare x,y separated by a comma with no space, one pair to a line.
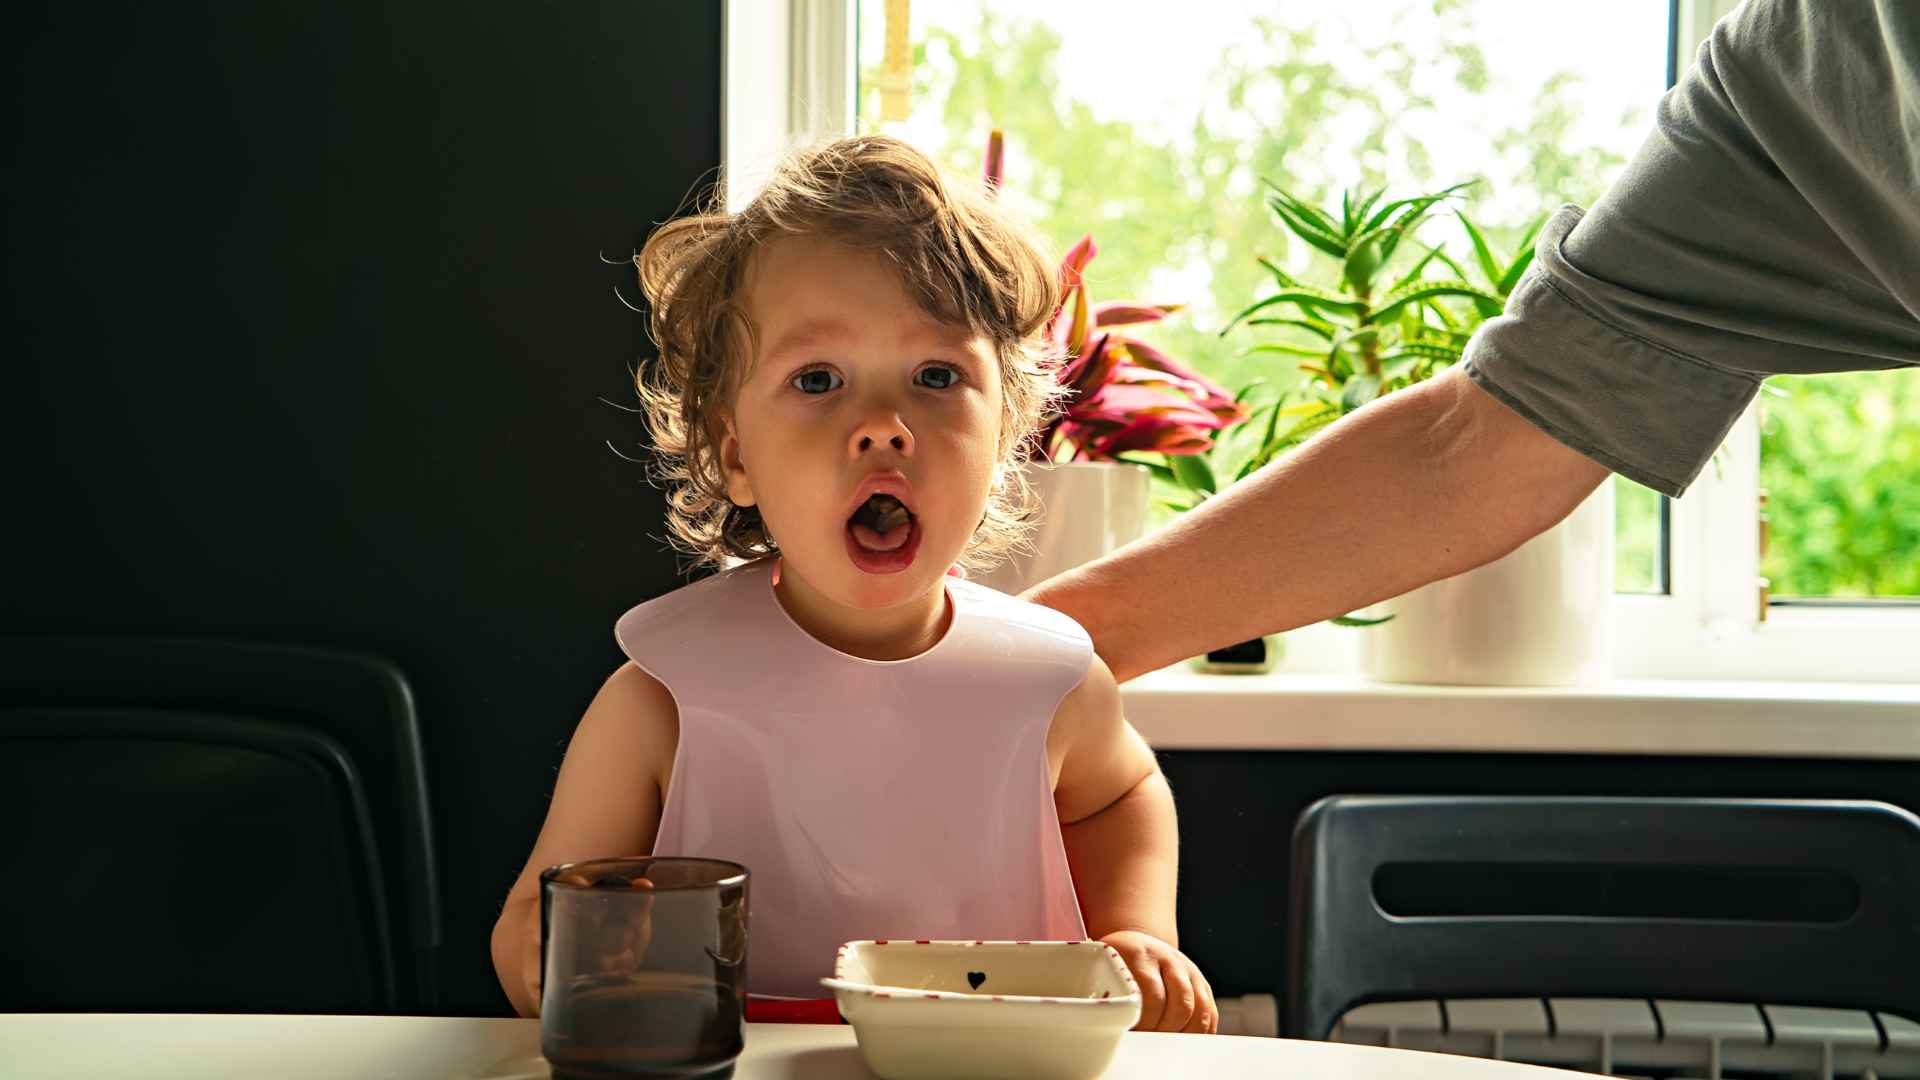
787,79
788,76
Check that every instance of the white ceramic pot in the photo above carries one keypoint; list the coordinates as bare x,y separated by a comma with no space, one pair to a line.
1540,616
1087,508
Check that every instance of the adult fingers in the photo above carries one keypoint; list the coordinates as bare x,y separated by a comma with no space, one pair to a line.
1182,999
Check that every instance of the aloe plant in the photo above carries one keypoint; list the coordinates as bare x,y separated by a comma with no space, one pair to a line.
1363,336
1369,333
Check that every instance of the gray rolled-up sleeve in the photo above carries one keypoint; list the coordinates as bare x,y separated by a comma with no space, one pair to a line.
1649,412
1770,224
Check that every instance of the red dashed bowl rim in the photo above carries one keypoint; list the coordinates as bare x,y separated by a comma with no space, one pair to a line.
883,992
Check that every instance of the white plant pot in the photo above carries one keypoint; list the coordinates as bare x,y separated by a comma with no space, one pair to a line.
1540,616
1086,509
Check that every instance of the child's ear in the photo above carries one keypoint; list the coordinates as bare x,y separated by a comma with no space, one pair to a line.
739,487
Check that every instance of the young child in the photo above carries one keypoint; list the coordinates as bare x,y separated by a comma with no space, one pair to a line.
849,372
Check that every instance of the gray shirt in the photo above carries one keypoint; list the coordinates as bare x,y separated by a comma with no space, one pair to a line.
1770,224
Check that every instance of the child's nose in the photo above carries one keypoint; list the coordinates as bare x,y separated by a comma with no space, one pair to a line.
884,430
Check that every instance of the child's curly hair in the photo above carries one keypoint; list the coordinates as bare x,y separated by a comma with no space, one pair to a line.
963,262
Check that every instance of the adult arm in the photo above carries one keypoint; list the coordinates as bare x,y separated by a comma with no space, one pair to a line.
1767,225
1417,486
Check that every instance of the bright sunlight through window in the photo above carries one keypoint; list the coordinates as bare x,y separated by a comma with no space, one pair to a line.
1161,135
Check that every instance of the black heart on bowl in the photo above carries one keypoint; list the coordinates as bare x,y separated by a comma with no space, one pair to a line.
975,978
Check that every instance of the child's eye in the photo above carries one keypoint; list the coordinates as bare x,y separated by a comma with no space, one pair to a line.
815,381
945,376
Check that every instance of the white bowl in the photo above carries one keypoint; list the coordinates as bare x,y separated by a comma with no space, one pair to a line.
927,1010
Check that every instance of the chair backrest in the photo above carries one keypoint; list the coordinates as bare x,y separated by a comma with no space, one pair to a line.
1789,902
179,861
360,706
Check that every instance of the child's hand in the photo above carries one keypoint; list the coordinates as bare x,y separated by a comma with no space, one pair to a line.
620,933
1174,996
530,972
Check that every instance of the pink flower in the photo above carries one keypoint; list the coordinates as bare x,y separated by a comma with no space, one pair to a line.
1125,394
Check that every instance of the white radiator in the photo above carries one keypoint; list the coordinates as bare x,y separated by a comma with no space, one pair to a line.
1657,1038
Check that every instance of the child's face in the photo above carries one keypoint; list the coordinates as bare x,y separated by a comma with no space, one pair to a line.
852,381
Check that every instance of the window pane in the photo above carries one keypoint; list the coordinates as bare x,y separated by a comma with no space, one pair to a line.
1840,463
1639,538
1156,132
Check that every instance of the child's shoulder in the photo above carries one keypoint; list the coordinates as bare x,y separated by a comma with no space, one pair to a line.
1004,607
699,595
1092,690
670,635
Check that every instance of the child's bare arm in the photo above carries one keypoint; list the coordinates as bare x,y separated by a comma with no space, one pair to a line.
606,803
1117,818
1116,813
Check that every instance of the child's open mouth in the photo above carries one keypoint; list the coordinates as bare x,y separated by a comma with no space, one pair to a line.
882,536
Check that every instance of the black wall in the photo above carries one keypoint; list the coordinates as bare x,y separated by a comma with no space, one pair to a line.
308,334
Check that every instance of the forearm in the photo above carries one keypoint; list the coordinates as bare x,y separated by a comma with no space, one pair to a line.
1126,861
1421,485
514,960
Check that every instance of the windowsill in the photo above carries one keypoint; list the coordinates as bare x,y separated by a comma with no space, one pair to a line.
1180,709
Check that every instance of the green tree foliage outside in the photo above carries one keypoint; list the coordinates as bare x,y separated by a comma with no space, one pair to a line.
1182,219
1840,462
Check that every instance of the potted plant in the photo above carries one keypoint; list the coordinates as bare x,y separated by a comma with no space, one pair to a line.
1123,396
1534,617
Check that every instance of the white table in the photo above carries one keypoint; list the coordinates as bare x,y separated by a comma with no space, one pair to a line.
103,1046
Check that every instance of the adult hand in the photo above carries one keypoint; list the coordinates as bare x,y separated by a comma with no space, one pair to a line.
1174,996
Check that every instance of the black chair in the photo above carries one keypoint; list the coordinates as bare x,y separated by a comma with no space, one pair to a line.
204,825
183,861
1403,898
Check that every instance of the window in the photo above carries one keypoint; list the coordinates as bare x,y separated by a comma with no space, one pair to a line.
1840,472
1415,94
1152,133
